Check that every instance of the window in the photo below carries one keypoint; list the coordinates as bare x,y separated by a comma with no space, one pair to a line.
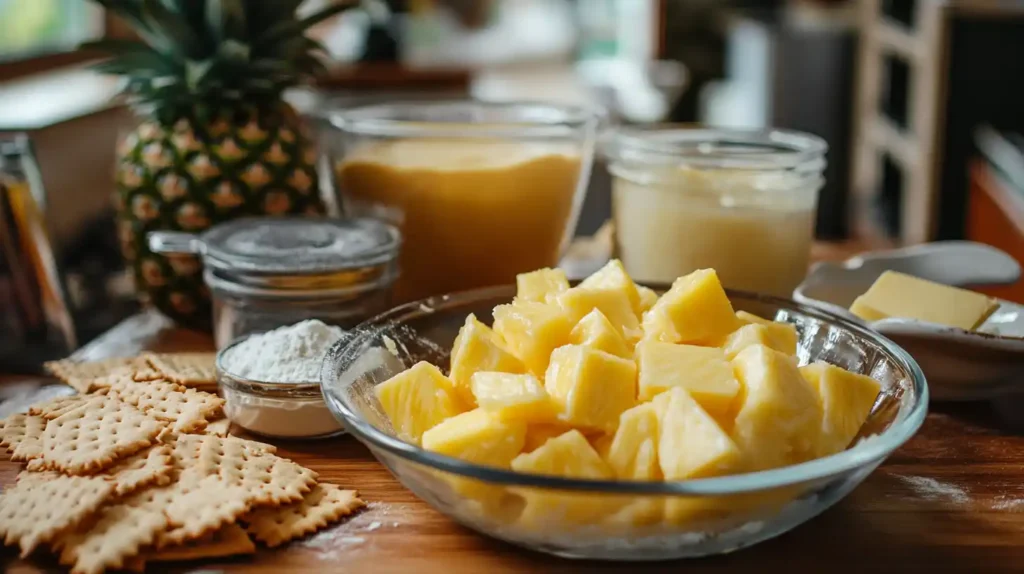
902,11
895,90
38,27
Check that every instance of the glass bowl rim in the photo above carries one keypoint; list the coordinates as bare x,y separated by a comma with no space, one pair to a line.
866,451
674,144
372,120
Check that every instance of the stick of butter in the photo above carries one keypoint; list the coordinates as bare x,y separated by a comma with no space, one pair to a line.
861,309
899,295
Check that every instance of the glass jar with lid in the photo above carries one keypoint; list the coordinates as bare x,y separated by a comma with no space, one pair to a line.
739,201
269,272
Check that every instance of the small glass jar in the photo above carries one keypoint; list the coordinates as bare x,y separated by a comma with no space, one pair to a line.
269,272
275,410
740,202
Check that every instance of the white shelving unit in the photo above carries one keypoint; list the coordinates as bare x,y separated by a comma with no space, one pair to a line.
915,148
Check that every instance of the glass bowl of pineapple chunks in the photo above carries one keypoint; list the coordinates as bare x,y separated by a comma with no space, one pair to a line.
608,420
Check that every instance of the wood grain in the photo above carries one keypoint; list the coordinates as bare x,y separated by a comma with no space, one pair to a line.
950,500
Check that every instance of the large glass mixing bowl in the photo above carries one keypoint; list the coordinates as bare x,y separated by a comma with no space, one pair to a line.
613,519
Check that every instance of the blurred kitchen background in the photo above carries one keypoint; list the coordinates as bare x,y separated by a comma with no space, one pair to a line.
919,100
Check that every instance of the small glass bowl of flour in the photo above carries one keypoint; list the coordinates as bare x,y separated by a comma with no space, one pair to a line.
271,381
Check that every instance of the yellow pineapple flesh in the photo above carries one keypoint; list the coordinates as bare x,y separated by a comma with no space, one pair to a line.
703,371
846,399
477,436
531,331
590,387
783,336
513,397
754,334
595,331
691,444
633,452
613,277
417,399
647,298
541,286
569,456
613,304
779,420
695,310
478,348
538,434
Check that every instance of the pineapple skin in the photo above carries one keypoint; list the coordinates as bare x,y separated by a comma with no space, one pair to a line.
191,175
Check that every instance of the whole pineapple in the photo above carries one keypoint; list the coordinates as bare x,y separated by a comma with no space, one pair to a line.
216,141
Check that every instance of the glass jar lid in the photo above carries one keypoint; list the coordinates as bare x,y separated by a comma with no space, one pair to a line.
290,252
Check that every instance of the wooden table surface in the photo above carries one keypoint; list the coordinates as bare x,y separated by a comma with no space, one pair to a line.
950,500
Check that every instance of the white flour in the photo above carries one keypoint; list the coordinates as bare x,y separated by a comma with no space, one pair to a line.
1004,502
290,354
931,489
340,541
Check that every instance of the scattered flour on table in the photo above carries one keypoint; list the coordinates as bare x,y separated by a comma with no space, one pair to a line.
290,354
931,489
1004,502
334,543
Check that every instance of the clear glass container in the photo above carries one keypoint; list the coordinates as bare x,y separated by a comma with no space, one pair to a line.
619,519
480,191
269,272
276,410
37,322
740,202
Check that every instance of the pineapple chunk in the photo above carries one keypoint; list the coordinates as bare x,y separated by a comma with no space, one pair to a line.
590,387
538,434
602,443
568,455
695,310
633,453
571,456
531,331
640,511
747,317
417,399
613,277
477,436
478,348
513,397
690,443
647,298
779,420
613,304
596,332
783,335
703,371
846,399
756,334
541,286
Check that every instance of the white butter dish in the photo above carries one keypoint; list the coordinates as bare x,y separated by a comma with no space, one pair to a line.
959,364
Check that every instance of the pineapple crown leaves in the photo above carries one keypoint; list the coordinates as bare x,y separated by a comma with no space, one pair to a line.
213,53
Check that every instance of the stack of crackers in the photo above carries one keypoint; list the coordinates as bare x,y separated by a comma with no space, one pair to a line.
139,468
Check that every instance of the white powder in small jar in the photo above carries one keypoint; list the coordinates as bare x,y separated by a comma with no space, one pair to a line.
290,354
290,357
